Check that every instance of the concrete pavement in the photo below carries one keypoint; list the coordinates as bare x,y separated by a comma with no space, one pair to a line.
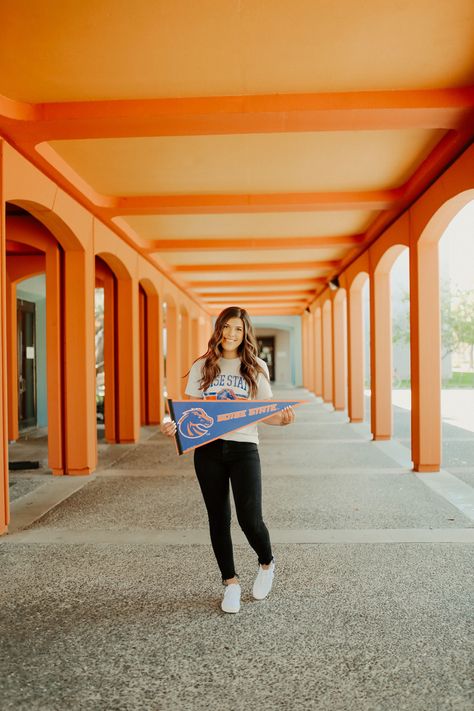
111,599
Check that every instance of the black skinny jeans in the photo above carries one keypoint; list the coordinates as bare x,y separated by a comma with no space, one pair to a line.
217,464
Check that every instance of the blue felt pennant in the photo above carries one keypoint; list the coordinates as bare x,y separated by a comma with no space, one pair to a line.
199,422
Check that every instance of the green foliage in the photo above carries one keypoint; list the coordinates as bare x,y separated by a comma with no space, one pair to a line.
457,320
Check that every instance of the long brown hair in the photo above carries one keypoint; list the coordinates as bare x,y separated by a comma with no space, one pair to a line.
247,351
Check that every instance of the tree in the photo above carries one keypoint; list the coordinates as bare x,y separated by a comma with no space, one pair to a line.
457,321
462,321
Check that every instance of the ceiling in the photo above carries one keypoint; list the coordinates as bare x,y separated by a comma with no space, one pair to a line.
250,148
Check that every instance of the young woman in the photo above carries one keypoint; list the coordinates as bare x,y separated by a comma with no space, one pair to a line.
230,369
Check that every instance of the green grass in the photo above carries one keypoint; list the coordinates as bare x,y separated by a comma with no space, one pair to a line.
457,380
460,380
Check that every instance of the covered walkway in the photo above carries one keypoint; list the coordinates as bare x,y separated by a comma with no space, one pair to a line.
113,599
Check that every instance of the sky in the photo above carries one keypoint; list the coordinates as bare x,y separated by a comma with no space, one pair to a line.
458,241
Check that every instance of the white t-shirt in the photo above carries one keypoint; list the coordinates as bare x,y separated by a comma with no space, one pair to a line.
229,385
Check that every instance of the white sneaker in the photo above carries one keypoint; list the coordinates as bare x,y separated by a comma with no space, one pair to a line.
263,582
231,599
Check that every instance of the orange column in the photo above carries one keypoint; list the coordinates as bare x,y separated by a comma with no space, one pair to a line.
12,359
153,359
127,360
380,355
355,354
194,339
160,364
204,333
79,362
4,497
310,349
338,351
304,344
55,355
173,365
425,358
327,350
185,343
318,364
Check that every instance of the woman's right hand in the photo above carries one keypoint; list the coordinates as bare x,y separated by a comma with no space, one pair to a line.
168,428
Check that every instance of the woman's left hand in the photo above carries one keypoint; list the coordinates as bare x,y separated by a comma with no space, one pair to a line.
287,416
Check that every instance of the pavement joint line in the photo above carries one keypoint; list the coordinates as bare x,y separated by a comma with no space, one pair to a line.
446,485
452,489
320,441
186,537
168,471
32,506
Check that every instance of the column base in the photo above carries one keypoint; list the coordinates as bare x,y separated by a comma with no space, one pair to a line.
356,420
381,438
426,468
57,472
81,472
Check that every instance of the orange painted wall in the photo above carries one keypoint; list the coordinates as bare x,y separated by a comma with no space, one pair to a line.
81,236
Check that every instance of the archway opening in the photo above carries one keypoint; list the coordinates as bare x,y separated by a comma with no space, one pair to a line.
456,257
105,304
401,374
150,353
35,392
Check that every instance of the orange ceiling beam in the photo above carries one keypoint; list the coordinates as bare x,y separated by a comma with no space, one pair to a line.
257,267
262,296
248,243
222,295
256,310
249,203
302,283
272,113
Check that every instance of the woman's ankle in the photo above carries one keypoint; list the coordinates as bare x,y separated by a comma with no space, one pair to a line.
231,581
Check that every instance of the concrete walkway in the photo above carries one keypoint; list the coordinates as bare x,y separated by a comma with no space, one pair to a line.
111,600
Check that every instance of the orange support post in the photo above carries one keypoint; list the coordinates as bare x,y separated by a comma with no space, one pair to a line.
355,352
310,349
173,360
327,350
194,339
79,363
55,360
339,351
4,497
185,343
153,358
425,357
160,361
127,360
380,355
304,348
205,333
318,356
12,358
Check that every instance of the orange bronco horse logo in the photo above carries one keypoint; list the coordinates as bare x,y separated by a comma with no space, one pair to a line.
195,423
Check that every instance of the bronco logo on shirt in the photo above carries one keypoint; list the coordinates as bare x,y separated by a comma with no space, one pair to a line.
195,423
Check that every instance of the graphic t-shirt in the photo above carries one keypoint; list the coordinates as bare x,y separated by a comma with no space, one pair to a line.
230,385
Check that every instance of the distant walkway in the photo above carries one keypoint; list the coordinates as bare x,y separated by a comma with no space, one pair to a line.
457,405
111,600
